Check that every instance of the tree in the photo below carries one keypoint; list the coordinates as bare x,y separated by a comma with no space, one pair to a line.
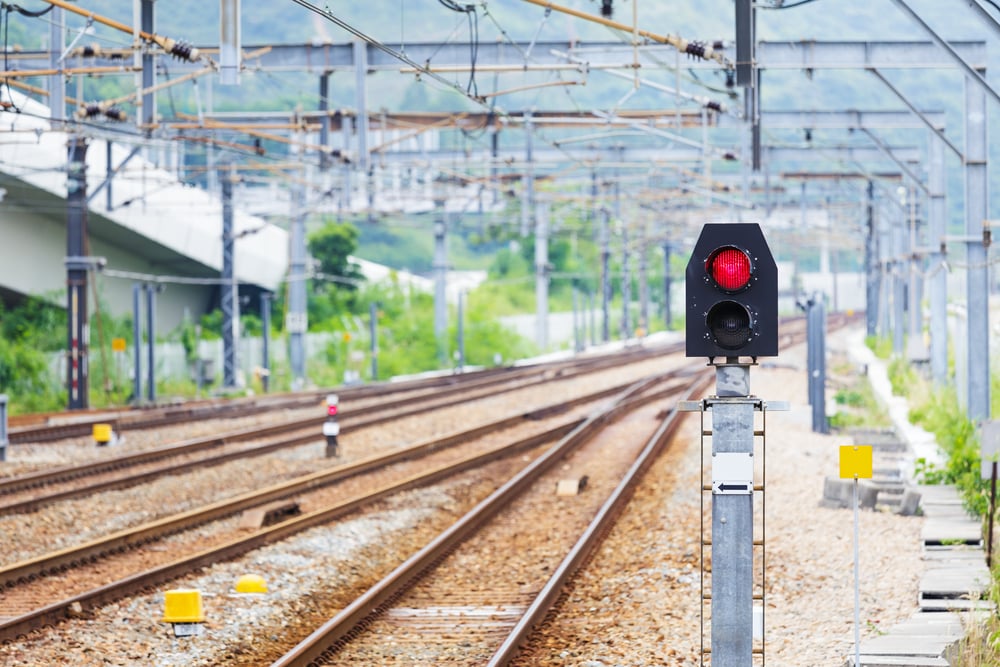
331,247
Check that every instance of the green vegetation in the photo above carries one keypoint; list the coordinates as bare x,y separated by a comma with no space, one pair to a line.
858,406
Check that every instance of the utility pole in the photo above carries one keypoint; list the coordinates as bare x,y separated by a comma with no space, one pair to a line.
605,242
137,342
265,335
528,202
873,275
938,277
296,320
667,285
77,265
151,290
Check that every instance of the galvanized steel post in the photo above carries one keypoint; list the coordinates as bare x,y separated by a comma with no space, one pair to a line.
732,517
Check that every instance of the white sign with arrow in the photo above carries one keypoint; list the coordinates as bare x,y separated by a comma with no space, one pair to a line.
732,473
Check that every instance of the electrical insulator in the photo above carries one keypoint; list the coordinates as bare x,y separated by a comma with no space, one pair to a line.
114,113
88,111
714,106
606,9
182,50
696,49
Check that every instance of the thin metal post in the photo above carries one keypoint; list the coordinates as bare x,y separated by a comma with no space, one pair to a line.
857,581
576,320
147,20
667,285
137,342
3,428
373,334
265,323
993,505
151,342
899,289
57,84
461,331
592,315
626,284
324,121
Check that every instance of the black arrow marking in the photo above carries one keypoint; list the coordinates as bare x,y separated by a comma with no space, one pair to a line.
723,487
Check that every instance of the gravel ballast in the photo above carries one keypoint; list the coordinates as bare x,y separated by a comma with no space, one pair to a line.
636,603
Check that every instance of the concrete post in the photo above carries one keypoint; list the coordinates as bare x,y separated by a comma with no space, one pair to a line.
872,274
148,24
296,320
229,42
137,342
528,202
441,281
78,329
605,242
265,334
151,342
228,290
937,276
542,276
976,214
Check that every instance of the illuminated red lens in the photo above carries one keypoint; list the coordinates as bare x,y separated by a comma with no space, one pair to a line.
331,410
729,268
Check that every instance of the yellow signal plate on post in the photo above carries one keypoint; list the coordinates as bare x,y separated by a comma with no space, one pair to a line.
856,462
118,344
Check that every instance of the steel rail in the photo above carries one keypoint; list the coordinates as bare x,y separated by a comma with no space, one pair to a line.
327,639
55,612
132,537
413,405
165,415
593,536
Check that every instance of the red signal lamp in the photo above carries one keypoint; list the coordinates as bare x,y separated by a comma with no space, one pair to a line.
331,410
730,268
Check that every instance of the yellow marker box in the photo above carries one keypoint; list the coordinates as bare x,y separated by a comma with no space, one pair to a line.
856,462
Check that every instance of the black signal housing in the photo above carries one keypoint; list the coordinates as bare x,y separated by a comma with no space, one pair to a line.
732,293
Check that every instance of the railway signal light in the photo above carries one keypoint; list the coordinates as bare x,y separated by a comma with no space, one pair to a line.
732,293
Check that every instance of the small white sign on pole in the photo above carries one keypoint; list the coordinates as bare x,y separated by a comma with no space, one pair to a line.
989,439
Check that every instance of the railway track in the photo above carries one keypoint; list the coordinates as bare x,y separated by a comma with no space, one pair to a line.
52,612
28,492
436,610
26,582
51,427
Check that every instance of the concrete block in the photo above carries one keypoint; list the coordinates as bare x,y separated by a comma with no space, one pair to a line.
840,493
910,504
